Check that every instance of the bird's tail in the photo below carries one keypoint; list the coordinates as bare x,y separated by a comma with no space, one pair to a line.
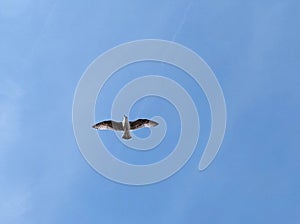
126,135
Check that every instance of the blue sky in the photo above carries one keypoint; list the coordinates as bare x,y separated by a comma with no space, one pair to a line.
253,48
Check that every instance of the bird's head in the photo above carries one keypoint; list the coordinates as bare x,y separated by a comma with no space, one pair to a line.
125,119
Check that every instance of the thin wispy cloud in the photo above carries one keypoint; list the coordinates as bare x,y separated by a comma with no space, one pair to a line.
11,94
14,203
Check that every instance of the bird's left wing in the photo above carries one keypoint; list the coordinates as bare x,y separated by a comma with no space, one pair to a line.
141,123
109,125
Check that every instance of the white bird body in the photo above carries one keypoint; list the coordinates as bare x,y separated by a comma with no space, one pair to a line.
125,125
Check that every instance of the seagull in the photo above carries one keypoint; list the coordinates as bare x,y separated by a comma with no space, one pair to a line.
125,125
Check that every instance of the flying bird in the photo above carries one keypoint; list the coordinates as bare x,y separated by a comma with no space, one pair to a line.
125,125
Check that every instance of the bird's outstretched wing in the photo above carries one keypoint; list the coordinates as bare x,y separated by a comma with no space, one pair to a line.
109,125
141,123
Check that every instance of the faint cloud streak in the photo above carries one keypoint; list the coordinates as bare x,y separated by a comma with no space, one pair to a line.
10,96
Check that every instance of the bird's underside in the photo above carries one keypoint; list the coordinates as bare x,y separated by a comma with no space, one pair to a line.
125,125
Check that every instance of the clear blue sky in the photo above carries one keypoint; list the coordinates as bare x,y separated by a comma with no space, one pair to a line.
253,48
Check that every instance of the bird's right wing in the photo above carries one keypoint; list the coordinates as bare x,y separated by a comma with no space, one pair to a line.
109,125
141,123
